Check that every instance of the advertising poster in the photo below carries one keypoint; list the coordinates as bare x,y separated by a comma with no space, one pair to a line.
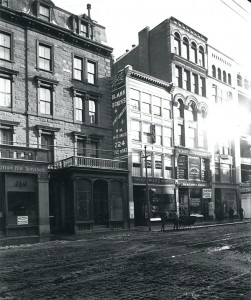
194,168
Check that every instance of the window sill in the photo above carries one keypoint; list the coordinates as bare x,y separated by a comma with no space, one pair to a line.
45,116
7,60
47,71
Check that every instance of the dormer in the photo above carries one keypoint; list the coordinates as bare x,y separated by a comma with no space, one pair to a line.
44,10
83,24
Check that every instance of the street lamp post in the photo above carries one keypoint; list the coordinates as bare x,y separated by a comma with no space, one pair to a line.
147,195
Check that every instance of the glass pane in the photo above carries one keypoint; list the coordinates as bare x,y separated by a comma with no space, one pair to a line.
146,98
91,67
77,63
90,78
134,94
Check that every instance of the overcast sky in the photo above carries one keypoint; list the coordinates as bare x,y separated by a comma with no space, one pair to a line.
226,23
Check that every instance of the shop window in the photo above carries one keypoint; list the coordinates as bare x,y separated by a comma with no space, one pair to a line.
45,57
78,68
158,135
224,76
156,106
136,130
213,71
5,92
177,44
147,133
5,46
44,13
145,103
116,200
47,142
134,101
79,108
167,137
195,88
187,80
202,86
91,72
83,199
193,53
92,111
186,48
229,79
158,166
178,76
201,57
219,73
136,164
166,108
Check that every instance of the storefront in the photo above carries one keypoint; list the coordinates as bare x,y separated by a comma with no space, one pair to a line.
24,199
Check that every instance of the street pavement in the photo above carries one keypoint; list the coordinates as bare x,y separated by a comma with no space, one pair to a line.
211,262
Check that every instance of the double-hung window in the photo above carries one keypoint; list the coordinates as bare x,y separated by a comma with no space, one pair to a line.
78,68
195,84
158,166
166,108
5,92
5,46
136,136
203,86
147,138
156,106
84,29
47,142
187,80
79,108
167,136
178,76
145,103
44,57
158,135
134,101
136,163
6,135
92,111
45,100
81,147
92,149
44,12
91,72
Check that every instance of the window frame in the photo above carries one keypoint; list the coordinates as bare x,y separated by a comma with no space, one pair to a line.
80,70
185,44
10,79
201,57
11,48
177,44
51,61
187,80
194,56
95,74
90,112
3,2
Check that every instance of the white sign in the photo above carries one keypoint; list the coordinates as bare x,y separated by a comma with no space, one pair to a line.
207,193
22,220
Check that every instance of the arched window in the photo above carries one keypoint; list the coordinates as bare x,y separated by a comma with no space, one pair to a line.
239,80
213,71
181,108
194,53
219,73
177,44
229,79
191,112
224,76
186,48
201,57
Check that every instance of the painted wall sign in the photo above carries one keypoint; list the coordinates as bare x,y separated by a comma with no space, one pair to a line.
22,220
194,168
182,167
153,180
207,193
16,167
119,117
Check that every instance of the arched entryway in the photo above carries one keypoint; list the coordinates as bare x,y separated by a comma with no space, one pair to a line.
100,203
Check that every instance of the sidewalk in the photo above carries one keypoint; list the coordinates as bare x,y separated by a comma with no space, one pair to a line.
20,240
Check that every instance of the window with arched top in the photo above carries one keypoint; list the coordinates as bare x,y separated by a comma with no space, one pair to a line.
181,108
224,76
201,57
194,52
186,48
219,73
202,140
213,71
191,112
239,80
229,79
177,44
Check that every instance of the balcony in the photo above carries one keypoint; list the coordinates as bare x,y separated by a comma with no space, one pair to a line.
90,162
13,152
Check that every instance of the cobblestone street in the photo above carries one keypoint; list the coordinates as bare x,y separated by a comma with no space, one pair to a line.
207,263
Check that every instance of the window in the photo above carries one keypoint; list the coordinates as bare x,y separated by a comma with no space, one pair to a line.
79,109
45,100
219,73
185,48
78,68
92,149
92,111
225,174
80,147
168,167
191,112
167,137
6,135
180,135
191,137
166,108
5,46
44,13
136,130
225,148
187,80
84,29
146,103
213,71
214,93
158,135
147,133
202,131
136,164
91,72
203,86
5,3
44,58
148,165
156,106
224,76
239,80
246,85
5,92
219,95
229,79
134,102
194,52
47,142
158,166
178,76
181,108
195,84
201,57
177,45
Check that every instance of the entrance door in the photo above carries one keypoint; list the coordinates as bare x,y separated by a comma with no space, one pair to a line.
100,203
140,210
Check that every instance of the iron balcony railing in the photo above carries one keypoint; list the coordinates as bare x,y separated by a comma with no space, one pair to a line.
90,162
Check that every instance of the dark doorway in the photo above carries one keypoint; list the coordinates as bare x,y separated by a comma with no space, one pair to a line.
140,208
100,203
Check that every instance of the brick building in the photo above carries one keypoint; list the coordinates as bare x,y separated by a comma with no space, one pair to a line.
206,169
55,110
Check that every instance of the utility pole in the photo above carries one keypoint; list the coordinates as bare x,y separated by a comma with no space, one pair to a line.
147,194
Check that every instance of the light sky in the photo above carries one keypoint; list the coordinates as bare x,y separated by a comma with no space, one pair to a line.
226,23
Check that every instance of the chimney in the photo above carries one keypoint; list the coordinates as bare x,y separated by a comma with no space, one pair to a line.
89,10
133,45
